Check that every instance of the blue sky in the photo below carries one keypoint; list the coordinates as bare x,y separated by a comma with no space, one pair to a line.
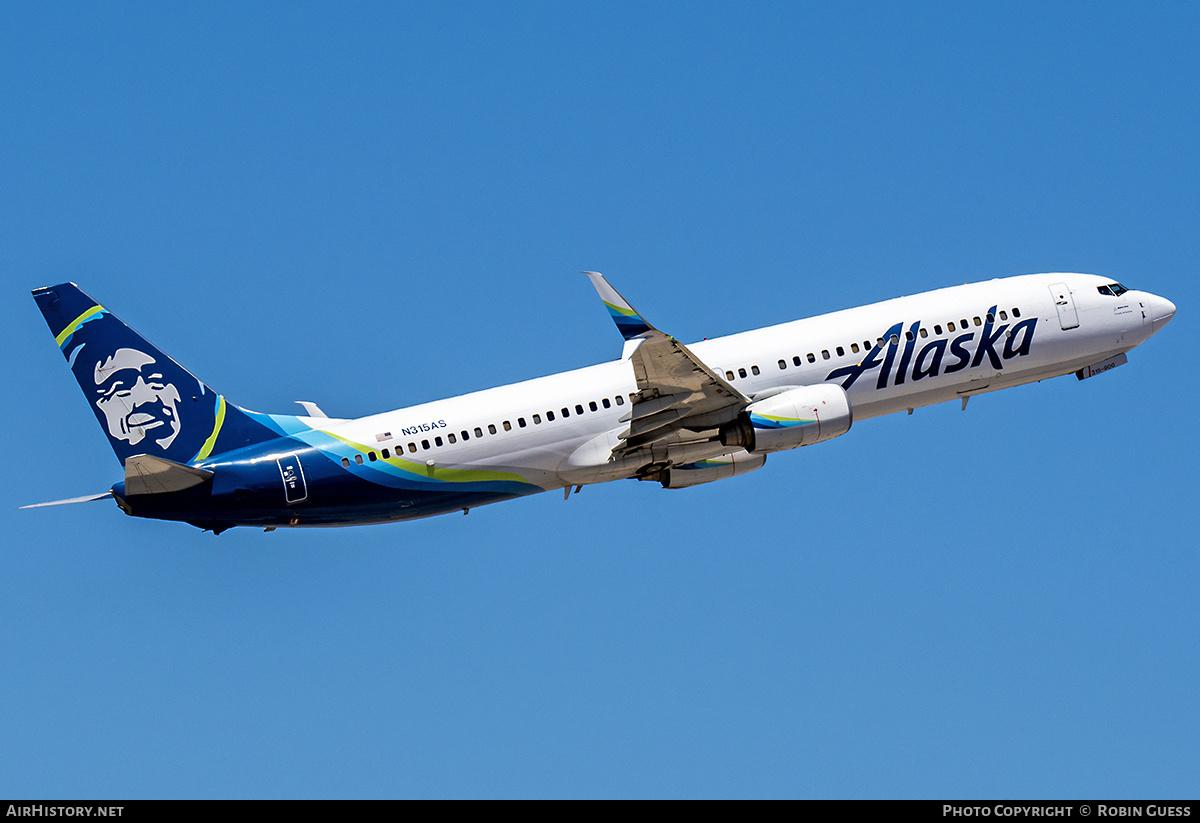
383,204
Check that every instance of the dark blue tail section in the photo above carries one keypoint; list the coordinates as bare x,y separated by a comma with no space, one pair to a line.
145,401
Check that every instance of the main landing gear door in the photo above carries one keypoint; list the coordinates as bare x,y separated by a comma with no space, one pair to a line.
1068,318
293,478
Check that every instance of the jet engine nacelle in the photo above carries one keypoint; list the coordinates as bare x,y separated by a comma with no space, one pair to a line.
706,471
799,417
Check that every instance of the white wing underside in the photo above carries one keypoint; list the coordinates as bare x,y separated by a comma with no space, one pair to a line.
678,398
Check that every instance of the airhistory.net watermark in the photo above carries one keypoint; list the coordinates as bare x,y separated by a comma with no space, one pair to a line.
42,810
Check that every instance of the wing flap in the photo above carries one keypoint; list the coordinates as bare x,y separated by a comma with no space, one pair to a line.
653,421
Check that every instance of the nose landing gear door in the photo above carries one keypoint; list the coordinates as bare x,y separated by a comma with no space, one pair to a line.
293,478
1068,318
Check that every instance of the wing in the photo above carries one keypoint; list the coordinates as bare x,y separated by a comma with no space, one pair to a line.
679,398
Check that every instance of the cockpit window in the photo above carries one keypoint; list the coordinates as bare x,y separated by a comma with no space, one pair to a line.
1104,290
1112,289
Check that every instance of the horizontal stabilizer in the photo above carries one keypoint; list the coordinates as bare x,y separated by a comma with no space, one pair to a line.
312,409
85,499
146,474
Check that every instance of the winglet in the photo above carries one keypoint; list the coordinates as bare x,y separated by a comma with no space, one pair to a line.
631,324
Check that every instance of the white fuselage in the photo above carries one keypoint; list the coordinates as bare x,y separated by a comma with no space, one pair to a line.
934,357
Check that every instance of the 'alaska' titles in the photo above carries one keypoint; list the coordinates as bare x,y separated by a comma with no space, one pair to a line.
943,355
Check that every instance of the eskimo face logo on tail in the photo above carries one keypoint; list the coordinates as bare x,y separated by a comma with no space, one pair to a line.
928,362
135,399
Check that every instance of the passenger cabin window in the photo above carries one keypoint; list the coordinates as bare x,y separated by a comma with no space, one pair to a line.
728,375
607,405
412,447
549,417
565,411
425,444
592,405
437,441
507,426
782,365
521,422
924,332
491,428
451,437
854,348
372,456
466,435
537,420
950,325
937,329
478,432
812,358
620,400
345,462
796,360
578,408
358,459
385,454
841,351
824,354
1003,315
1016,312
754,370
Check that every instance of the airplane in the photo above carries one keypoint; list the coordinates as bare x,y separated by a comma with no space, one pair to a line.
681,415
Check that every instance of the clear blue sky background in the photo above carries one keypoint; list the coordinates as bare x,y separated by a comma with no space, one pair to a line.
374,205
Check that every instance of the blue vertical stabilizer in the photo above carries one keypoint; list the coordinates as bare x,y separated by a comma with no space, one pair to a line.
145,401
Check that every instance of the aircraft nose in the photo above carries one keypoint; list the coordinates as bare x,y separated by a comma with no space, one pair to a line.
1161,311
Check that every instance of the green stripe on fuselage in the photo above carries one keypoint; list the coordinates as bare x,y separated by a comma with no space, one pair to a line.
438,473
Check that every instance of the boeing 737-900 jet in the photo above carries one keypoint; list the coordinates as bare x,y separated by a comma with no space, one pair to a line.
679,415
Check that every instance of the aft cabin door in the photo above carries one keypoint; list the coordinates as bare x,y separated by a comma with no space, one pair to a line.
294,488
1068,318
